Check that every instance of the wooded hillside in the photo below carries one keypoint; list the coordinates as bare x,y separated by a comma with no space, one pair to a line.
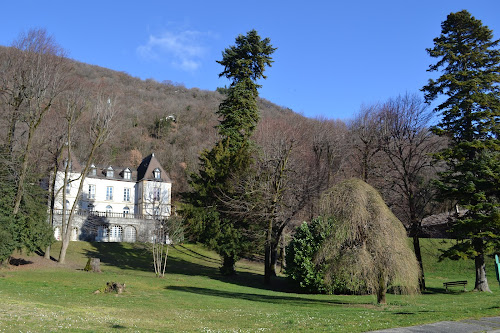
166,118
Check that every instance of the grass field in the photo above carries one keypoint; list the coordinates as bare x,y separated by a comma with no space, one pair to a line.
193,297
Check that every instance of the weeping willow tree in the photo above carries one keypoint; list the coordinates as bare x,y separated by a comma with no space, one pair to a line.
368,249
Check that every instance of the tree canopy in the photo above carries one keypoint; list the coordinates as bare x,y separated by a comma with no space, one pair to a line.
469,63
244,63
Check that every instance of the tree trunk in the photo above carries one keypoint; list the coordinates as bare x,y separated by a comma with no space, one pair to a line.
47,253
268,253
64,248
382,289
227,268
418,255
481,280
267,263
23,172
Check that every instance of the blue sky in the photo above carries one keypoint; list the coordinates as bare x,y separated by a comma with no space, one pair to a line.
332,56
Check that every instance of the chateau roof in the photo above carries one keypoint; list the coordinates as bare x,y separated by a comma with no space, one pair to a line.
147,167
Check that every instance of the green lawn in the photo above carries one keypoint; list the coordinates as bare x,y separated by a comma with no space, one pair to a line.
193,297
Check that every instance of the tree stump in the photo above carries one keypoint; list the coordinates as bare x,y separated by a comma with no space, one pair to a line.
93,265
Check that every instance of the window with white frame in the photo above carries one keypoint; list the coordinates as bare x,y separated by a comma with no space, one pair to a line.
109,193
116,233
91,207
109,209
109,172
127,174
93,170
126,211
126,194
91,191
156,193
157,173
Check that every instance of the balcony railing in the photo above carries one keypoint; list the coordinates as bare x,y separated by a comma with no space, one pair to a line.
83,212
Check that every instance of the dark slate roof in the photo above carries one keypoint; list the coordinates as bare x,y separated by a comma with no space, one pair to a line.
144,171
146,168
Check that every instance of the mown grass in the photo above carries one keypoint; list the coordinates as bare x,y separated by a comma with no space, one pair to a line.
193,297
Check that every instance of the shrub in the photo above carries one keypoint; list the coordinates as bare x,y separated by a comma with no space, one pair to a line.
300,265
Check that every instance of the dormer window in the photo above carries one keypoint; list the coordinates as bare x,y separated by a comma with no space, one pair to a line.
109,172
157,173
127,174
93,170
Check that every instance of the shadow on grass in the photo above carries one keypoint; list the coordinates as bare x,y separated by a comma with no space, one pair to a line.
288,300
133,256
434,291
117,326
19,262
136,256
190,253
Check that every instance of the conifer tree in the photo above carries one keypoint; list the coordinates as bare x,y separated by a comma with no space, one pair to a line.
244,64
469,63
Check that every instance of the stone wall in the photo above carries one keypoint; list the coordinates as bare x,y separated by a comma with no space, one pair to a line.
87,227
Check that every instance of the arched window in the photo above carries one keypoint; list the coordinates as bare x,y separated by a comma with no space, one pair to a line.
109,209
116,234
126,211
91,207
130,234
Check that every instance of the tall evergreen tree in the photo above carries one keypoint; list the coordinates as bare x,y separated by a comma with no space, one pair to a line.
469,62
244,64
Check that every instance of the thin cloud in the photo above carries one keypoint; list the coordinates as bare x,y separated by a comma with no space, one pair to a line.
183,50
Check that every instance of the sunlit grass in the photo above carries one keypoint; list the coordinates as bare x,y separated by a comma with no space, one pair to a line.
193,297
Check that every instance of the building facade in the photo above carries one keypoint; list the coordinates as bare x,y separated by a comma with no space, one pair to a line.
115,203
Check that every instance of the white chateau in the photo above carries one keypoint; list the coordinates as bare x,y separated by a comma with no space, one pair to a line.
116,203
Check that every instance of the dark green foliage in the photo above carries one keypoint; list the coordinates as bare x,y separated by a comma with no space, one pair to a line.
230,158
300,254
8,227
469,61
35,232
28,229
87,267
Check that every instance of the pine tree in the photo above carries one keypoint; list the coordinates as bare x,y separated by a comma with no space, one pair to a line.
244,64
469,62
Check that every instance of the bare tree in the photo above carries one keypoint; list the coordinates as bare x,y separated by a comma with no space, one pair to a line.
365,141
35,67
167,231
102,111
289,173
407,145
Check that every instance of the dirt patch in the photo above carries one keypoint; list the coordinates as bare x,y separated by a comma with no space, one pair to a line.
29,262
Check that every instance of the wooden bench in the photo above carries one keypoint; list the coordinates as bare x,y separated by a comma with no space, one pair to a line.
455,283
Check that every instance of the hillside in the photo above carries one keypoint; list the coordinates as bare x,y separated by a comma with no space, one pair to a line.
140,127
